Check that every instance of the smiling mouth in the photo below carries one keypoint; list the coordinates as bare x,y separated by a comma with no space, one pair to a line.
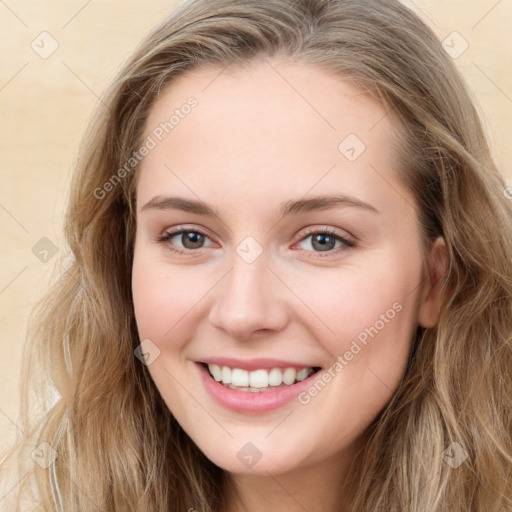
259,380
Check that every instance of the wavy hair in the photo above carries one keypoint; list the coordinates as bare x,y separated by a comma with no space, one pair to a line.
118,446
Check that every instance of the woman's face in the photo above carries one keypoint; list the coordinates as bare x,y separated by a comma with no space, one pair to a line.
245,170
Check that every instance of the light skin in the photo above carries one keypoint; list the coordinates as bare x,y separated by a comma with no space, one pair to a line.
259,137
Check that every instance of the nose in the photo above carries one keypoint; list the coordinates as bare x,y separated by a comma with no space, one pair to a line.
250,299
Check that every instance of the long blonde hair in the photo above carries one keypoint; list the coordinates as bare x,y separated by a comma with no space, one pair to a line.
118,447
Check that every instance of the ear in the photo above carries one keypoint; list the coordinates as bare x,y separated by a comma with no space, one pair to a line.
433,295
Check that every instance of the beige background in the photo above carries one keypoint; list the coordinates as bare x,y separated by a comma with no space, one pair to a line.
46,103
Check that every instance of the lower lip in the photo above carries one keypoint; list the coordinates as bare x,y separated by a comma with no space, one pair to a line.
247,401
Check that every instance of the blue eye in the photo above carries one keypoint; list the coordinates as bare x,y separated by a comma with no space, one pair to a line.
323,240
190,239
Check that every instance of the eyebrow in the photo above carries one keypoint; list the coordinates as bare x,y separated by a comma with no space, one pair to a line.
292,207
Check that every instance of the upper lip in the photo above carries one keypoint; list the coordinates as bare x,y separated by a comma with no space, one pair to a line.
255,364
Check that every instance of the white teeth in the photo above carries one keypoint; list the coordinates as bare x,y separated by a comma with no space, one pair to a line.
275,377
289,376
226,374
257,380
239,377
302,374
216,371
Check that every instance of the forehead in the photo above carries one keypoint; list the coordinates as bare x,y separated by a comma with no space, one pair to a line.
321,101
268,129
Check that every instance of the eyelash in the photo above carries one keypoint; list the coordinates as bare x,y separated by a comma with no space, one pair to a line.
305,234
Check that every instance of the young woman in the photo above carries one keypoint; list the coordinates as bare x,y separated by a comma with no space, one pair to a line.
291,284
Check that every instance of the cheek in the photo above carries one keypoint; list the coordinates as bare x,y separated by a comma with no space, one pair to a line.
162,299
164,306
367,318
347,303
